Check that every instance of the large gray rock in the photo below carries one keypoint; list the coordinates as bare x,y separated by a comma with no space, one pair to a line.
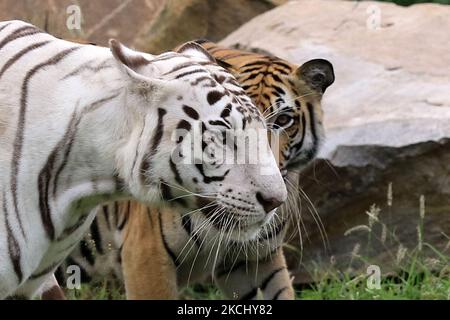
387,121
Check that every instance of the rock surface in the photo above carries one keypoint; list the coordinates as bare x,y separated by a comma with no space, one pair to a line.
101,19
152,25
184,20
387,121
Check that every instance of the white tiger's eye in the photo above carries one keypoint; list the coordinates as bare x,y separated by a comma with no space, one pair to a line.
284,121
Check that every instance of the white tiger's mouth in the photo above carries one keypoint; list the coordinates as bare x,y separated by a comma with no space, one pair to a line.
237,221
245,234
248,228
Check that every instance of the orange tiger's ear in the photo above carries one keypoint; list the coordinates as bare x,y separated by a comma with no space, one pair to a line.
229,67
193,49
317,73
224,64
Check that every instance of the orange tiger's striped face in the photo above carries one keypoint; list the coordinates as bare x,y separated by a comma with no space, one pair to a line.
291,102
289,97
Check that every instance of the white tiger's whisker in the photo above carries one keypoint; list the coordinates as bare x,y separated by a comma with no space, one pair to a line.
195,233
317,219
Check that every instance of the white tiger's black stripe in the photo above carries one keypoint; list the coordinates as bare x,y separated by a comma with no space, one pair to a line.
154,143
13,245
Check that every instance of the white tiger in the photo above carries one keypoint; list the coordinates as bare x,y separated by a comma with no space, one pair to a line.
81,125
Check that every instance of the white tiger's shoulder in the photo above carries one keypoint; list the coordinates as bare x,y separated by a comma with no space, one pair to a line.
13,24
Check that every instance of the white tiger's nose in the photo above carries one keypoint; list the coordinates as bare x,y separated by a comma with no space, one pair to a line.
268,202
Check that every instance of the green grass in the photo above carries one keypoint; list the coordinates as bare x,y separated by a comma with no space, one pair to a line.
421,273
201,292
415,286
100,291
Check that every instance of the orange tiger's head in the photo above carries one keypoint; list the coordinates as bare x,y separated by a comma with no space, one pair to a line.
288,95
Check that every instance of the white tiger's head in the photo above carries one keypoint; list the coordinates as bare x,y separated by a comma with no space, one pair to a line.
197,139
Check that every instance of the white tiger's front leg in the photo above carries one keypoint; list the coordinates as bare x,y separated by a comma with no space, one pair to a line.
247,280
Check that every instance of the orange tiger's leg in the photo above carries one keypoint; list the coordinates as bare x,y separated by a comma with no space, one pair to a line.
149,273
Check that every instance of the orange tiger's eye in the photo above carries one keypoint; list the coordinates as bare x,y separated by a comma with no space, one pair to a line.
283,120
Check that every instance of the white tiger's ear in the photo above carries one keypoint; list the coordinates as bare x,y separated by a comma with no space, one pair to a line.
137,67
195,50
129,58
